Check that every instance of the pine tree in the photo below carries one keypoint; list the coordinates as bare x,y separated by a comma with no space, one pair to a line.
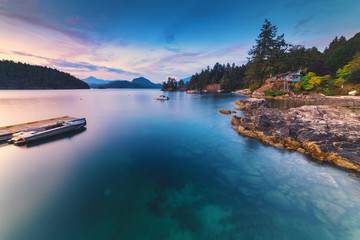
268,53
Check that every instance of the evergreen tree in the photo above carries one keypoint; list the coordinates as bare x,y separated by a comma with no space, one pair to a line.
343,54
336,43
268,53
181,84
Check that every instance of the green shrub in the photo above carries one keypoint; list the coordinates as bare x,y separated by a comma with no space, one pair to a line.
296,87
305,84
311,81
279,92
274,93
354,76
338,82
268,92
254,86
329,92
343,72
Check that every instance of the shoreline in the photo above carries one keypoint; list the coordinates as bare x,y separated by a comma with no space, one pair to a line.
316,99
327,134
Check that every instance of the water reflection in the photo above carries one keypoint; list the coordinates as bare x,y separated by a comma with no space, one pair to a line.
68,135
146,169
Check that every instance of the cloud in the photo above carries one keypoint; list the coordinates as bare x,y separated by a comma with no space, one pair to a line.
175,50
302,22
76,22
25,11
81,66
184,63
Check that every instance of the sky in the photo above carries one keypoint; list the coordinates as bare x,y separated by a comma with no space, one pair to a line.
124,39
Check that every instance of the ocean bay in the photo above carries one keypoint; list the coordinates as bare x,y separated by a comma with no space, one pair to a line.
146,169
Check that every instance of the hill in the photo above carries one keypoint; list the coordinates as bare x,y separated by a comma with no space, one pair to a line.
146,83
120,84
186,79
140,82
95,82
24,76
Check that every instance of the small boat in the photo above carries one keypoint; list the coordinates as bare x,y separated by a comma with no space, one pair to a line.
37,133
162,97
192,91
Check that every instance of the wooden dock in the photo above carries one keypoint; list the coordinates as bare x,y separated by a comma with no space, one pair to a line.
7,131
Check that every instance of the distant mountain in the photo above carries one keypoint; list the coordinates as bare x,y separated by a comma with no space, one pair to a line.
120,84
186,79
95,82
140,82
24,76
146,83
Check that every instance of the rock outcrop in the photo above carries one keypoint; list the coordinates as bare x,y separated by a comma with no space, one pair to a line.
326,133
268,85
227,112
318,99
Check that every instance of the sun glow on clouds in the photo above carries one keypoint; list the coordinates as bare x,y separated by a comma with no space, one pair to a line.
35,42
127,39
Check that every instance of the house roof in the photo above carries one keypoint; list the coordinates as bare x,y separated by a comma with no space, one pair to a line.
288,73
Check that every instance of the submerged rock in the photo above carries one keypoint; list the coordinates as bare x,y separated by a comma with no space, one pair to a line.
278,199
326,133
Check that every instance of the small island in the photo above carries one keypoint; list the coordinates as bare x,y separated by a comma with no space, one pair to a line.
17,75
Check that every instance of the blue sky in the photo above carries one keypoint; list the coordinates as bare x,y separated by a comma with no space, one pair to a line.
126,39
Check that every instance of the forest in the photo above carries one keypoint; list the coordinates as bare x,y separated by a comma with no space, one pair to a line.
16,75
272,55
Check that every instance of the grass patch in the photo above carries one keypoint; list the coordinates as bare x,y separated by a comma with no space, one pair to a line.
274,93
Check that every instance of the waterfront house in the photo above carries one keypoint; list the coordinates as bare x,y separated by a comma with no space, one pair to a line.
288,77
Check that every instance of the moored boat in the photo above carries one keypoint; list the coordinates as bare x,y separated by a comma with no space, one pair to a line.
192,91
37,133
162,97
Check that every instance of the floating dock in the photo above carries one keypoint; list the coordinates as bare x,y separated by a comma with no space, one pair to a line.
6,132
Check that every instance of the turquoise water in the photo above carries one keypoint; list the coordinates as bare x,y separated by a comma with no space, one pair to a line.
147,169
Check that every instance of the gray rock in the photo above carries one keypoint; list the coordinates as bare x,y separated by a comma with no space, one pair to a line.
330,129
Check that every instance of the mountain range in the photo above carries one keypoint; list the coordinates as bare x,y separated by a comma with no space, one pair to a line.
186,79
140,82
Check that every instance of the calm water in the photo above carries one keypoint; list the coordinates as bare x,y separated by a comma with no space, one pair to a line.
147,169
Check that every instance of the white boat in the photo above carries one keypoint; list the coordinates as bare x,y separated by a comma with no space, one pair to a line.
162,97
37,133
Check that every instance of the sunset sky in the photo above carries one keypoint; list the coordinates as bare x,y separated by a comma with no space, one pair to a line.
155,39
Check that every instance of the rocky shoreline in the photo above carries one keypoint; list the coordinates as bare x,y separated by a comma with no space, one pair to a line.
318,99
325,133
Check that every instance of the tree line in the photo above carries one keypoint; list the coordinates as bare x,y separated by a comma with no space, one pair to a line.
272,55
228,76
173,85
17,75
